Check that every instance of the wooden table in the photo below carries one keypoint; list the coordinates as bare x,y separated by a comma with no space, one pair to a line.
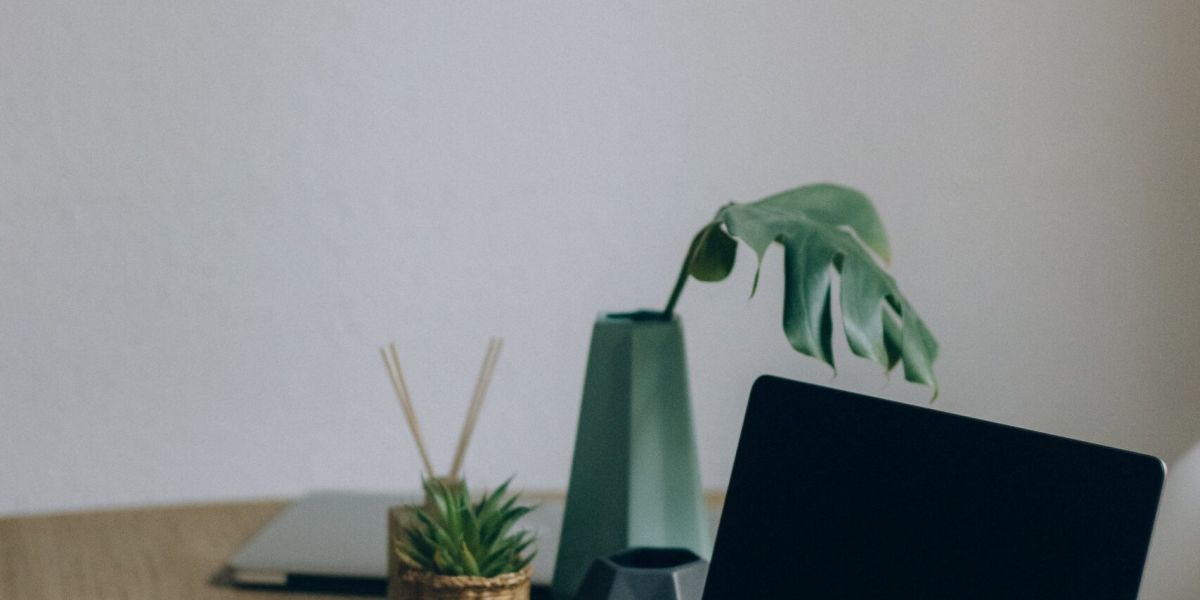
169,553
172,553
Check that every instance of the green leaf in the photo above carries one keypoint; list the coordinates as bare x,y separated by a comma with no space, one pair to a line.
442,564
832,206
511,517
826,229
452,519
488,505
423,555
524,562
470,527
439,492
712,254
470,566
918,350
891,336
429,522
807,319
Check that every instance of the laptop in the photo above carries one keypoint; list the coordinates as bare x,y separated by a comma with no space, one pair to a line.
838,495
326,541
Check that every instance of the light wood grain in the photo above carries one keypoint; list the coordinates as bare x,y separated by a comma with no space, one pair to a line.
157,553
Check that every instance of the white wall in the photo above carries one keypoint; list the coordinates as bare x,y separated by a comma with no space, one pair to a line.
1173,567
213,213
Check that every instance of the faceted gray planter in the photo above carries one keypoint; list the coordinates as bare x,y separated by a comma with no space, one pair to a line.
646,574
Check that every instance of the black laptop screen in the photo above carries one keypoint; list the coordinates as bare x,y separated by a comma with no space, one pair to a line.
837,495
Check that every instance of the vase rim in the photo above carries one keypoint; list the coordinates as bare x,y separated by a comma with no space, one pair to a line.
654,559
638,316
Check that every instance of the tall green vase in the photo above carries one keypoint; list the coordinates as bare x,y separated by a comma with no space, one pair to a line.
635,480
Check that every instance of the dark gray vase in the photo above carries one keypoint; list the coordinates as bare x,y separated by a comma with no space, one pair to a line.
646,574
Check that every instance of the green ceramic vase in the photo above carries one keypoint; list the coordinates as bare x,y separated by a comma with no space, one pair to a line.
635,479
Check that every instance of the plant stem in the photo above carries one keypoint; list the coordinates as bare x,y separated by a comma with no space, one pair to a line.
669,311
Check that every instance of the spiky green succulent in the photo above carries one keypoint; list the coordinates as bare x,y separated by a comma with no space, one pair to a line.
458,537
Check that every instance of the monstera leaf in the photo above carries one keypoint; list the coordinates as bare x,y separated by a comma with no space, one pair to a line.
823,229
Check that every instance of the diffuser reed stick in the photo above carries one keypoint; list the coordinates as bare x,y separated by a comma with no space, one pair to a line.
392,363
410,415
481,387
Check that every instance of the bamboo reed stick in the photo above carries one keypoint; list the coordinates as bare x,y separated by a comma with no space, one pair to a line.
481,387
397,377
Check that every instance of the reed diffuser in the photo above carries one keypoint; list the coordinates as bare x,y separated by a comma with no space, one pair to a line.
450,548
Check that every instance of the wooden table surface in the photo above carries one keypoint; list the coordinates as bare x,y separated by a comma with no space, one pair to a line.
165,553
174,553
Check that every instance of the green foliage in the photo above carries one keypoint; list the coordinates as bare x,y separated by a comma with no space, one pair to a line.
823,229
461,538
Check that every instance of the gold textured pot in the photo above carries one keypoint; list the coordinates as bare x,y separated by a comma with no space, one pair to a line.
423,585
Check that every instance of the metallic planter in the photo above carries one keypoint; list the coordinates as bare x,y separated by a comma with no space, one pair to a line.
646,574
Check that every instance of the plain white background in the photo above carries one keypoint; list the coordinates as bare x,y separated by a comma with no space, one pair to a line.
213,214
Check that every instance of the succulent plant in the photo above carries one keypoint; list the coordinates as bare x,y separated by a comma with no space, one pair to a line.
457,537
